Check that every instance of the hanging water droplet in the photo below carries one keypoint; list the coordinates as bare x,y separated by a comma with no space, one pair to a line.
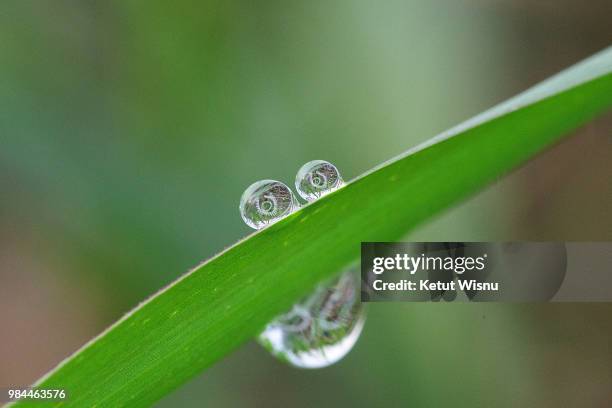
265,202
321,329
317,178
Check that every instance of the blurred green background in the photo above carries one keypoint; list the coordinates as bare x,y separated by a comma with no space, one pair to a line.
128,131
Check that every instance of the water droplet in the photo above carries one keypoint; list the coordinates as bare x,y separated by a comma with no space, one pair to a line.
321,329
317,178
265,202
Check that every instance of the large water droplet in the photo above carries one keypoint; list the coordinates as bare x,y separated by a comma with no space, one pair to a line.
321,329
265,202
317,178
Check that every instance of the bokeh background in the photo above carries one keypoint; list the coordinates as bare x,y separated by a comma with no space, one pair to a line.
128,131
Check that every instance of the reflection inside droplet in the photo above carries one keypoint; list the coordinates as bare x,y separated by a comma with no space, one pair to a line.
317,178
265,202
321,329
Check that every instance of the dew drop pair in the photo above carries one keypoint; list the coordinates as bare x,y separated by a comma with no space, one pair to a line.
267,201
323,327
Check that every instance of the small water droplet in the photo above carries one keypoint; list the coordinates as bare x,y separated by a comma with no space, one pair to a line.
265,202
317,178
321,329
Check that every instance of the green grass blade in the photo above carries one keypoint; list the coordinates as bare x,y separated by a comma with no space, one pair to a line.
225,301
